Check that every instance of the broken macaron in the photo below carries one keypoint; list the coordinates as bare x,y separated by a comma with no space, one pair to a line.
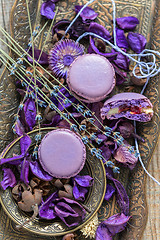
62,153
133,106
91,77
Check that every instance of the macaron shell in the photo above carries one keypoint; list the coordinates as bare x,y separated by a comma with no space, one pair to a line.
131,99
62,153
92,77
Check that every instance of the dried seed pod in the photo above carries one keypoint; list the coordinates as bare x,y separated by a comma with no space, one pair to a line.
58,183
48,114
68,193
27,201
138,81
69,236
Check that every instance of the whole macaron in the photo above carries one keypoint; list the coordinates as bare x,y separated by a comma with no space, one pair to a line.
91,77
62,153
133,106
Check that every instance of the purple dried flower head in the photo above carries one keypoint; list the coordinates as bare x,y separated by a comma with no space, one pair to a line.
47,9
87,14
63,54
121,39
127,23
113,225
9,179
136,41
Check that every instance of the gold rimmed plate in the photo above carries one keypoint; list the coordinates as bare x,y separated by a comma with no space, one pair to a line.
93,167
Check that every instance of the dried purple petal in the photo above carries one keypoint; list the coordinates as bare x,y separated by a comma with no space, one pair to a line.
121,195
95,107
110,190
120,76
25,143
30,112
127,23
47,9
37,53
46,210
93,49
110,227
137,42
16,160
121,39
106,152
69,211
121,61
38,171
62,55
25,171
9,179
19,128
122,155
87,13
79,192
99,30
84,181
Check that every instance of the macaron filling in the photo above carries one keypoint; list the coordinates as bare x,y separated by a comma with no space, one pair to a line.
91,77
62,153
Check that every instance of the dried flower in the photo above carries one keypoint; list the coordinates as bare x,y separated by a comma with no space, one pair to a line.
63,54
89,230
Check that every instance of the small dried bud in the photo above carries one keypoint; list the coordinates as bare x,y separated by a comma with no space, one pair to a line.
138,81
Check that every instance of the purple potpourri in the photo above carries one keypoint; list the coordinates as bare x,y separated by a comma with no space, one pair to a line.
37,53
25,171
127,23
99,30
69,211
110,190
38,171
87,14
47,9
121,61
80,185
9,179
121,39
123,156
29,113
110,227
137,41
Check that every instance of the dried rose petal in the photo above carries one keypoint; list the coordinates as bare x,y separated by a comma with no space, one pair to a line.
109,192
25,143
37,53
93,49
137,42
9,179
69,211
121,61
121,39
122,155
84,181
30,112
46,210
19,128
127,23
87,13
99,30
38,171
47,9
79,192
106,152
25,171
110,227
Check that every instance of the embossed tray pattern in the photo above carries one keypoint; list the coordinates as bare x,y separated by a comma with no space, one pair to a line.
133,181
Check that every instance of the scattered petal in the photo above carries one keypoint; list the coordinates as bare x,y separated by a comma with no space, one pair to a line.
38,171
110,190
9,179
136,41
121,39
87,13
127,23
37,53
99,30
47,9
121,61
30,112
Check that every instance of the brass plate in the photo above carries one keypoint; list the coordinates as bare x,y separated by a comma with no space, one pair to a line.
134,181
93,167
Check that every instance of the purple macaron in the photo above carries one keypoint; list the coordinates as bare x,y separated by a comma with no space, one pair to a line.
91,77
62,153
133,106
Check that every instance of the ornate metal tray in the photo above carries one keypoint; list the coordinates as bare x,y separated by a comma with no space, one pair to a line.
133,181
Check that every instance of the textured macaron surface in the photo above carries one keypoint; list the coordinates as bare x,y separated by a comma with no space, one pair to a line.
91,76
62,153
